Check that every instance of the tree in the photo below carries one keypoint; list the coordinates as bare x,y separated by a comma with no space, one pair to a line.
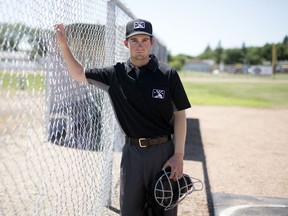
176,64
38,43
266,52
285,40
207,54
178,61
254,56
10,36
208,48
233,56
169,56
218,53
244,53
283,49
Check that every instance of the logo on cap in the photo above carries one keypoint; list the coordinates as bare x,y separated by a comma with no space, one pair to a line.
139,24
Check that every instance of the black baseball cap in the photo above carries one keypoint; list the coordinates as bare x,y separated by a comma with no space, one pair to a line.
138,26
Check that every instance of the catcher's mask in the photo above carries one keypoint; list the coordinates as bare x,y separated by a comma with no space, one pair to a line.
168,193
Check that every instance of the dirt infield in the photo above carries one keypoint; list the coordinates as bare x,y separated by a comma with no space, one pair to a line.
235,150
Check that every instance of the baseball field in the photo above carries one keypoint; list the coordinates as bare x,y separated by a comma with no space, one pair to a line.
237,143
237,90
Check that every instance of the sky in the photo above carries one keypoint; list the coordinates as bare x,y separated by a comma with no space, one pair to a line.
189,26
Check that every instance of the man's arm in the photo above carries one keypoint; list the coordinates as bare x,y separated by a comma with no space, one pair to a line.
75,68
176,161
180,128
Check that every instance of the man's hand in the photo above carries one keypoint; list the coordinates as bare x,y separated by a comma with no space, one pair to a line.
176,164
60,33
75,68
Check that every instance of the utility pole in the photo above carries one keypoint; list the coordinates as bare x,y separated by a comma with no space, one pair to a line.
274,60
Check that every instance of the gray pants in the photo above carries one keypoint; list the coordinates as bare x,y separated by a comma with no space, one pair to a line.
139,168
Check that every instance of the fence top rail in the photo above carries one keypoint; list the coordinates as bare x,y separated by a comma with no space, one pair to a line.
124,8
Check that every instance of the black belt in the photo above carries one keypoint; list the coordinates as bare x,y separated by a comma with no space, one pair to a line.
146,142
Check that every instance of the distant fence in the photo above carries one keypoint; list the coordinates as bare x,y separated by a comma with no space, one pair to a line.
210,66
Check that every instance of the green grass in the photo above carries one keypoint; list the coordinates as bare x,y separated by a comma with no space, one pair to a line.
31,81
233,76
260,92
201,88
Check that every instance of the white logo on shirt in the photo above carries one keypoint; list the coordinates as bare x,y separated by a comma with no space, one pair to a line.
158,93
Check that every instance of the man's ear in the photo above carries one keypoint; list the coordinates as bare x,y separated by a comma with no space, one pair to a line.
152,41
126,43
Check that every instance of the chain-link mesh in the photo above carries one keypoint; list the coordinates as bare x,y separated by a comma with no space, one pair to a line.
57,136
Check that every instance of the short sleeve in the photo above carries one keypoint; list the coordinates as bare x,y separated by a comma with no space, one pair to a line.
102,75
178,93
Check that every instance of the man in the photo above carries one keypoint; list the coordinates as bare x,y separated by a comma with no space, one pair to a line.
149,101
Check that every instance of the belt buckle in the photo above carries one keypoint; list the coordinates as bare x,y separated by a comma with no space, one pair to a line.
140,142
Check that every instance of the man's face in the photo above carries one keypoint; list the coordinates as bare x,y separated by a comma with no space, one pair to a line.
139,46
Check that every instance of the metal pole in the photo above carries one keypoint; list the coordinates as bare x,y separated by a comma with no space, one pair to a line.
274,59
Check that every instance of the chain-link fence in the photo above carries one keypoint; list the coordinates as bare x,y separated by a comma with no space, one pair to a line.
57,136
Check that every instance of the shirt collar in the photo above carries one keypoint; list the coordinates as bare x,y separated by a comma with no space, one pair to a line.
151,65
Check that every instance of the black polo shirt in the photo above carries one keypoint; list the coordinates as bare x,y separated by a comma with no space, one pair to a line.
144,106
